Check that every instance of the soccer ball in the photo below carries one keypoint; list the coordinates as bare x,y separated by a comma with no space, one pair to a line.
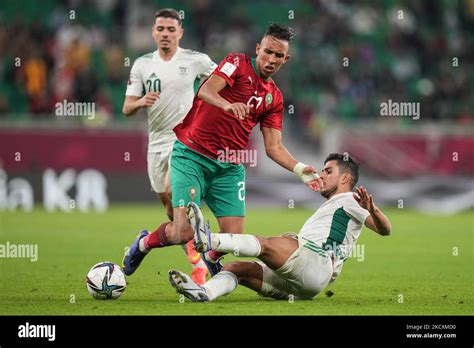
105,281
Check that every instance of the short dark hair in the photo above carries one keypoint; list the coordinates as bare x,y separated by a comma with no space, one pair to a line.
280,32
169,13
346,164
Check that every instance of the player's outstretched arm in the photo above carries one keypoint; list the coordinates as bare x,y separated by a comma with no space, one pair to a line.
209,92
275,150
377,221
132,103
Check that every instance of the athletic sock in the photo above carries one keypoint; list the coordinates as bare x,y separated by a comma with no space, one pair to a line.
238,244
221,284
156,239
141,246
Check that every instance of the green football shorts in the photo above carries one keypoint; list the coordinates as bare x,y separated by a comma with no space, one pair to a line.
195,176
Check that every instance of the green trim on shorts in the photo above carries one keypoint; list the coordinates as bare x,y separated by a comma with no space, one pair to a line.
313,247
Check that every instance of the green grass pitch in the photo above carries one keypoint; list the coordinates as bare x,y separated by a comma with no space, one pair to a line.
424,268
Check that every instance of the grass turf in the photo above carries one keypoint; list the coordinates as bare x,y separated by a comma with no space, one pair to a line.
413,272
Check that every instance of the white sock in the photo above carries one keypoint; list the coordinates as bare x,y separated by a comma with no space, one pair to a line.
245,245
221,284
141,246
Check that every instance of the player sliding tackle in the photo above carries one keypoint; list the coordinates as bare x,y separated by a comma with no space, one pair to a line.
237,96
291,265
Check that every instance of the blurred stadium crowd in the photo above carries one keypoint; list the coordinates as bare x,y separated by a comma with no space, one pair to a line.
413,51
346,59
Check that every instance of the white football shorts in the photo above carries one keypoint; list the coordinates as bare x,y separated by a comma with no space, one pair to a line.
158,166
304,275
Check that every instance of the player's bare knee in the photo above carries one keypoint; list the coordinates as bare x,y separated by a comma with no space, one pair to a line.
230,267
236,267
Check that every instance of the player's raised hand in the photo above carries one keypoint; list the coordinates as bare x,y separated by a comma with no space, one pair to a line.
240,110
365,200
149,99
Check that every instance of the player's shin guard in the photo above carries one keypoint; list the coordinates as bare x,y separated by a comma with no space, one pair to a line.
244,245
221,284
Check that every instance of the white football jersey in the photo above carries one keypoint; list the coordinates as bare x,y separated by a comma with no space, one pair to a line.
334,228
176,81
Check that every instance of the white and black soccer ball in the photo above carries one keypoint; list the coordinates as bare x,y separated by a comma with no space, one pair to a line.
105,281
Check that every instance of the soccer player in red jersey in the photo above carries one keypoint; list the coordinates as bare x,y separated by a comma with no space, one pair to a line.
237,96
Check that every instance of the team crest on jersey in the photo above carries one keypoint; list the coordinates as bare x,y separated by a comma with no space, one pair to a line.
268,99
183,70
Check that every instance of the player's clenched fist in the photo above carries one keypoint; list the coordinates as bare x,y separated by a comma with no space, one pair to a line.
149,99
240,110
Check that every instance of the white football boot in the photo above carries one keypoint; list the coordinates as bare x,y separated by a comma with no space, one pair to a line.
186,286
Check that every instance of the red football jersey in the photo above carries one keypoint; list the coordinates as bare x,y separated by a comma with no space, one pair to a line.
208,129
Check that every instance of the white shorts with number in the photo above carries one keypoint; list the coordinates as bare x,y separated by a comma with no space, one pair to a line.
304,275
158,165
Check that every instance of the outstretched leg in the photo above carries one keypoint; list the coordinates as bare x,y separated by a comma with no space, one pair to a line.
169,233
247,273
227,224
273,251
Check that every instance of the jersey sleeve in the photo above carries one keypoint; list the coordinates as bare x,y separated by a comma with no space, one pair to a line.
228,68
134,84
274,119
356,212
206,66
